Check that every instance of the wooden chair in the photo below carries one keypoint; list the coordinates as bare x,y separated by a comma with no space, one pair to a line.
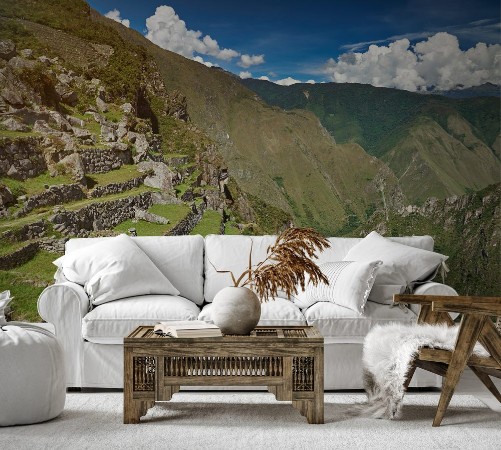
476,326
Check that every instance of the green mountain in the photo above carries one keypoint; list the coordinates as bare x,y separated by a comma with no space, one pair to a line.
436,146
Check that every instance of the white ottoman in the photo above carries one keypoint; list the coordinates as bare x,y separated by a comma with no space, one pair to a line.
32,377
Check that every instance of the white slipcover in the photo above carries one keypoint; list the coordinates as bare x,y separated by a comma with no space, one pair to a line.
181,259
345,325
32,375
111,322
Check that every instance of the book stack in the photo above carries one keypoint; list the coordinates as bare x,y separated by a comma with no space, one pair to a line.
187,329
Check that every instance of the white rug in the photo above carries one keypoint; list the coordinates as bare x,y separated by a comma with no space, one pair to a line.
240,420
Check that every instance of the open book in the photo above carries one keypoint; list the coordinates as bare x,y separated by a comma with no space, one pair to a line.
187,329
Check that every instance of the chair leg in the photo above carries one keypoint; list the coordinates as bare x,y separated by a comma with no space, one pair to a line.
470,328
486,380
410,374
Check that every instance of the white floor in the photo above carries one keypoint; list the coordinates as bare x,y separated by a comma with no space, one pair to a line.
242,420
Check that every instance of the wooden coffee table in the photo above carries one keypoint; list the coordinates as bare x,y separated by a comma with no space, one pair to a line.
289,360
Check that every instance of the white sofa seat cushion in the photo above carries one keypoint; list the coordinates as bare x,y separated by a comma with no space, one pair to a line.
111,322
340,324
275,312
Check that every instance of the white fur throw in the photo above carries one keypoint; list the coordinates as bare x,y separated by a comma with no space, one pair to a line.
387,356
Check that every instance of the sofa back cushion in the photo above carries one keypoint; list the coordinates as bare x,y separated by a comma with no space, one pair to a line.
232,253
179,258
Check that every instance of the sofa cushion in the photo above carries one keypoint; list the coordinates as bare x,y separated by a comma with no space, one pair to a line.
232,253
402,264
341,246
114,269
349,285
345,325
278,311
179,258
111,322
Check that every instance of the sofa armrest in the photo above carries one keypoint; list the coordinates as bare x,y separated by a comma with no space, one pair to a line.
64,305
432,288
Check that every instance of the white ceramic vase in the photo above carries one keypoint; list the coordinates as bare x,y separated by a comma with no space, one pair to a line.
236,310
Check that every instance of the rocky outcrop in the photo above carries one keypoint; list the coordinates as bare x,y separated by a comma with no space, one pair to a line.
27,232
18,257
54,195
73,165
6,197
99,216
115,188
103,160
7,49
158,175
13,124
188,223
141,214
21,158
52,245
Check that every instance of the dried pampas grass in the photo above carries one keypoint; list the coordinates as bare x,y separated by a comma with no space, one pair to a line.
286,264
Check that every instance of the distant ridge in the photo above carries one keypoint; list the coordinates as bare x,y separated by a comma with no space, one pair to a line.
484,90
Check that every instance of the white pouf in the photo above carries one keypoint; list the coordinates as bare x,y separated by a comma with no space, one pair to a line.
32,376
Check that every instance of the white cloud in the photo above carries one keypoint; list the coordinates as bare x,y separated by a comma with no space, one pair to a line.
287,81
250,60
264,78
205,63
114,14
168,31
435,62
245,74
311,81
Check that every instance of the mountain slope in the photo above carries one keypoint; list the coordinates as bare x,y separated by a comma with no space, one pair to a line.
466,228
431,162
286,159
436,146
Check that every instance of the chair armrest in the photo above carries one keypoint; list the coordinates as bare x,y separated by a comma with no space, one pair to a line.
64,305
488,306
422,295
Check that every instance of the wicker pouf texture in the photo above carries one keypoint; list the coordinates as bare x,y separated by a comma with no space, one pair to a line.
32,377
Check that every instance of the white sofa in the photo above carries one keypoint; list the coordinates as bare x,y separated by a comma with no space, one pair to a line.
92,337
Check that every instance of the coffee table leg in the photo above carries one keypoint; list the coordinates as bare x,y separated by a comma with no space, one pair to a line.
133,409
315,412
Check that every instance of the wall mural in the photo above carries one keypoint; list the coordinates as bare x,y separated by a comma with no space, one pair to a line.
107,130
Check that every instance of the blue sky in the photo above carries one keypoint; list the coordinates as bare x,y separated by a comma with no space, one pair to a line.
288,41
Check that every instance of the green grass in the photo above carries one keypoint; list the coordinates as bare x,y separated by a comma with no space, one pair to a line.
35,185
125,173
175,155
175,213
15,134
209,224
9,247
26,282
114,114
231,228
